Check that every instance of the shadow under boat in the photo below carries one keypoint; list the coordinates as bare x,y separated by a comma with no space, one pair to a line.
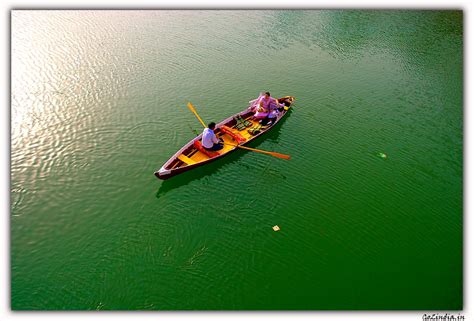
211,168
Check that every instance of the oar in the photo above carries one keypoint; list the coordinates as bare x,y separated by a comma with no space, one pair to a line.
191,107
283,156
187,123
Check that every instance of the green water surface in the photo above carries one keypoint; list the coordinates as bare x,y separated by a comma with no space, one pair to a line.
98,102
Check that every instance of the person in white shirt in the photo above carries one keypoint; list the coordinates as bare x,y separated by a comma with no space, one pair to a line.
209,139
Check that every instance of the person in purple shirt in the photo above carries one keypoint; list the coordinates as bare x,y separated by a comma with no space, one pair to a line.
266,109
264,104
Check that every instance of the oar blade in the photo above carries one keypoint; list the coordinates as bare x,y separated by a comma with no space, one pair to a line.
275,154
191,107
282,156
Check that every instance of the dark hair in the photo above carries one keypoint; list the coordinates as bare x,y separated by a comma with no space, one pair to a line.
211,125
267,93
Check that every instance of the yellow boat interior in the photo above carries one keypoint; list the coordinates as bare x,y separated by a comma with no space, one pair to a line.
192,155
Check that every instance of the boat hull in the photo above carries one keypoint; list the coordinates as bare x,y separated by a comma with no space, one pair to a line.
179,163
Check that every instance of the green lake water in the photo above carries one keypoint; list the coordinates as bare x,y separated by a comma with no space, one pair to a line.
98,103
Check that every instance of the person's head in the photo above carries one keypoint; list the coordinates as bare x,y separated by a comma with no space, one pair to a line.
267,94
212,125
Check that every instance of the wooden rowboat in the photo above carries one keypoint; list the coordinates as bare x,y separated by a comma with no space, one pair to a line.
193,155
